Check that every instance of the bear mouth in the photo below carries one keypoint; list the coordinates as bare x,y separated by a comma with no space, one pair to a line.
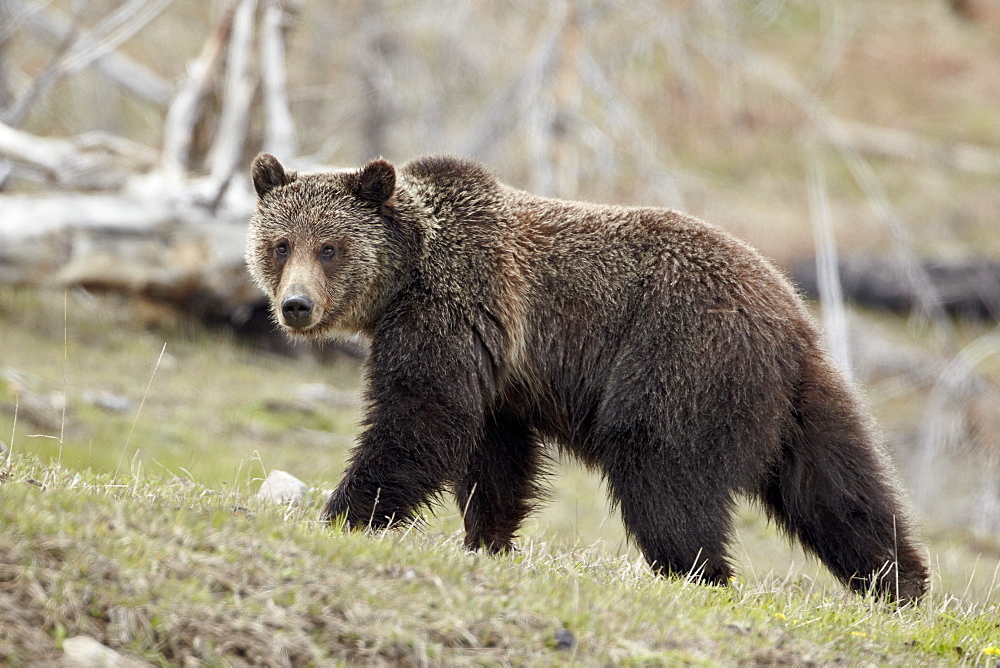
302,326
299,328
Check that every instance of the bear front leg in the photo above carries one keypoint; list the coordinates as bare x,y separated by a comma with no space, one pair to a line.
424,418
382,487
403,460
497,491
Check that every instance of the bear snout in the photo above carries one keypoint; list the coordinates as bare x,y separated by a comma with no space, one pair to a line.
297,311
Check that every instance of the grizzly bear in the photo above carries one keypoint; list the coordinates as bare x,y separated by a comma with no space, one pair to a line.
660,350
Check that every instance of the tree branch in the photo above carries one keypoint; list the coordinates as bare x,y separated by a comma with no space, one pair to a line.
894,143
178,128
280,137
225,153
119,68
94,161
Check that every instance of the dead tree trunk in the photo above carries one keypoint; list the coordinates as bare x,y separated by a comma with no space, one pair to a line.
166,224
967,288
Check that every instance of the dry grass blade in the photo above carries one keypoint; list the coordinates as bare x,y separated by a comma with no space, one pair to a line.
138,411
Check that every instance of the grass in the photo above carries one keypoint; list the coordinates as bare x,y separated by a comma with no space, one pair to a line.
167,569
208,402
140,529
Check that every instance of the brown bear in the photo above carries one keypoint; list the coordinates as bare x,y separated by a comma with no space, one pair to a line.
662,351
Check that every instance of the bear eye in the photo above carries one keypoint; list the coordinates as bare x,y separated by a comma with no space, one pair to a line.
328,252
281,250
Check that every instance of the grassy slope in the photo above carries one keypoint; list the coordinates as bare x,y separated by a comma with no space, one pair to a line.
167,569
171,557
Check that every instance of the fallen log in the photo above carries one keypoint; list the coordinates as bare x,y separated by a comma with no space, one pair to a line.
94,161
967,287
158,248
168,224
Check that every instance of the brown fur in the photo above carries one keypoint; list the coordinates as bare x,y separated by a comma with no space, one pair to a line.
659,349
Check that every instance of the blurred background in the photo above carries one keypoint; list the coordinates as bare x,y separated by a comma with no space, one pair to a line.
855,142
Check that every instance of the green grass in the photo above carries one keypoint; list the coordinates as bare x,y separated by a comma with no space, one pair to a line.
166,569
206,404
140,529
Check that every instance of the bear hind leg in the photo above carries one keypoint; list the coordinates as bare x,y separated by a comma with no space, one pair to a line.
680,523
501,485
833,492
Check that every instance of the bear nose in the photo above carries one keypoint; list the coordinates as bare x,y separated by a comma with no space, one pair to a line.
296,310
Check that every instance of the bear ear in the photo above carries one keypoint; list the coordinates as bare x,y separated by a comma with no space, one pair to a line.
268,174
377,182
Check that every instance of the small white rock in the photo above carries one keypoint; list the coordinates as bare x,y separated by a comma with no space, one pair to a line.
281,487
320,394
112,403
315,392
85,652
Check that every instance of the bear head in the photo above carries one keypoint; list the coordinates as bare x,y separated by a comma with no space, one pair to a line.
321,246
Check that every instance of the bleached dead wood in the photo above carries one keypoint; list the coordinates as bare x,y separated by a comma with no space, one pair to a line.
376,78
155,246
182,116
513,103
828,280
158,229
168,250
280,136
94,161
237,95
79,48
567,98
